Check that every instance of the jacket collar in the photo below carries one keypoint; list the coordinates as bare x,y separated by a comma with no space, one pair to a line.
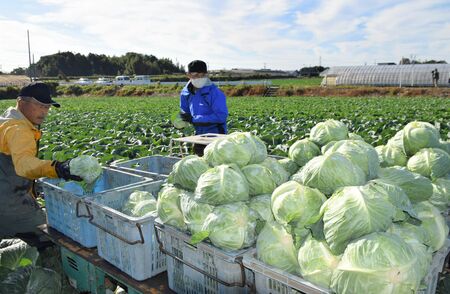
14,113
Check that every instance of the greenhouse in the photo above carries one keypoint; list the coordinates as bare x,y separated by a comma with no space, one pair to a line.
405,75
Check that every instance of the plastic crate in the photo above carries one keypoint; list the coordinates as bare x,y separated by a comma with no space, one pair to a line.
437,265
269,279
80,273
126,242
63,199
202,268
149,166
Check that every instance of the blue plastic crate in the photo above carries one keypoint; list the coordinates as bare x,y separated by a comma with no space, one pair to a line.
126,242
63,199
149,166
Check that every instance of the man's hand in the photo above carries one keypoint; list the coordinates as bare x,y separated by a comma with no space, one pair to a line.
63,171
187,117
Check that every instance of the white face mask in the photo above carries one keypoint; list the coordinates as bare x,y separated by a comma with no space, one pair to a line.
200,82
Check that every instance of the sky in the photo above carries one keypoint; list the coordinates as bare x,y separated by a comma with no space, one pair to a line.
274,34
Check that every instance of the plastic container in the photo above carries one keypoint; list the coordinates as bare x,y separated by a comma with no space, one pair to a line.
63,199
80,273
202,268
269,279
149,166
437,265
126,242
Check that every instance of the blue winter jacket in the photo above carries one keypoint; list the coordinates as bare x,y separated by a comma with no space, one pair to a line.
208,108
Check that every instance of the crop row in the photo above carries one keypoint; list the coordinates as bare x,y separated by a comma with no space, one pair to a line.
113,128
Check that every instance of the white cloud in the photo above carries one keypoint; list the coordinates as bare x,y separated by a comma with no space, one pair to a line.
283,34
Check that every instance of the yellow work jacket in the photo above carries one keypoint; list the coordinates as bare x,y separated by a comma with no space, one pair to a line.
18,137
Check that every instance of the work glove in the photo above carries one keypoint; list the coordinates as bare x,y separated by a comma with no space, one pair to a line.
62,169
187,117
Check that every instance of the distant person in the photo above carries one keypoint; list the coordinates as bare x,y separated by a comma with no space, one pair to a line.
203,104
436,77
20,214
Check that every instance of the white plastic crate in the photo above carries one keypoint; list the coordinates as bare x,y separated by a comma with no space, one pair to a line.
149,166
437,265
202,268
126,242
269,279
63,199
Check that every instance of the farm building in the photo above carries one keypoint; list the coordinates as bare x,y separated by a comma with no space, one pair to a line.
405,75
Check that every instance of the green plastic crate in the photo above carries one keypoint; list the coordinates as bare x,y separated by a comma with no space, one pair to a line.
80,273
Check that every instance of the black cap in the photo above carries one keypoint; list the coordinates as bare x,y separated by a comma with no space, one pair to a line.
39,91
197,66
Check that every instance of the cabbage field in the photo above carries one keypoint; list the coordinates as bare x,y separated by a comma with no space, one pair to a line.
112,128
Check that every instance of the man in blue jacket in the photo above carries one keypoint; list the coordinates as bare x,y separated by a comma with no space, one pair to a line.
202,103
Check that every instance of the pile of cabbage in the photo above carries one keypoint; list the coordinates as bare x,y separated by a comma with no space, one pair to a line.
338,212
355,218
224,196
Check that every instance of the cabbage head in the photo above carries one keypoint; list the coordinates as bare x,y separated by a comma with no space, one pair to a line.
430,162
396,196
260,206
275,247
327,131
391,156
330,172
15,253
186,172
135,198
259,178
418,135
289,165
445,145
295,203
441,194
353,212
255,145
417,187
326,147
230,226
434,223
194,213
377,263
397,141
353,136
279,174
86,167
145,208
317,262
221,185
360,153
303,151
168,206
416,237
227,151
178,122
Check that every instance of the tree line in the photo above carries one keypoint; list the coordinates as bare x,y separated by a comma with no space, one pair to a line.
63,64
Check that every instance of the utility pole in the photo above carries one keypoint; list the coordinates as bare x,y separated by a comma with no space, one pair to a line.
29,56
34,68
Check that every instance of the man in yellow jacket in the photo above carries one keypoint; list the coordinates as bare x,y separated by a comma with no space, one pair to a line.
20,214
